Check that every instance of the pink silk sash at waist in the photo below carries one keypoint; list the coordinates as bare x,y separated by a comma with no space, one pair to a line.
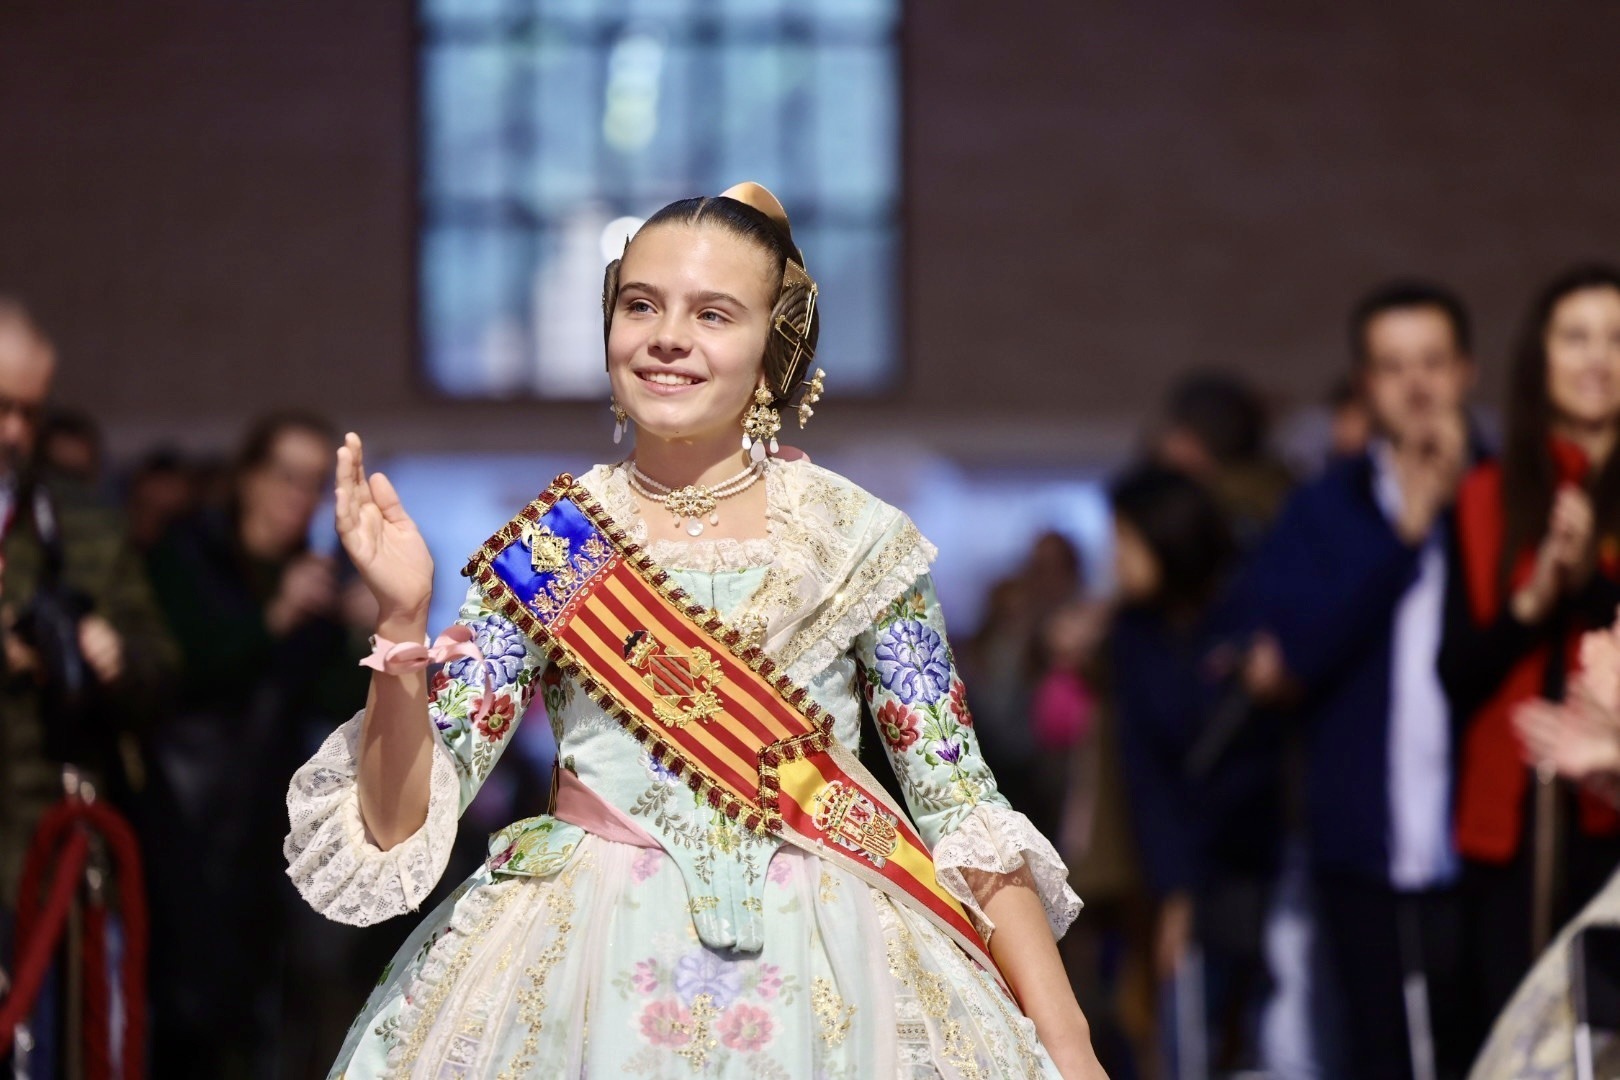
579,805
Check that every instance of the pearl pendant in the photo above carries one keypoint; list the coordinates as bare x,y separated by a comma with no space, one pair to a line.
757,452
694,528
714,519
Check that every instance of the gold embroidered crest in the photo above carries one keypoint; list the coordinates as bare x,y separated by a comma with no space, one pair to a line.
683,683
548,552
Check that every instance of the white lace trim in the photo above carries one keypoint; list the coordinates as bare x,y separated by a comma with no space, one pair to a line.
859,604
998,840
330,858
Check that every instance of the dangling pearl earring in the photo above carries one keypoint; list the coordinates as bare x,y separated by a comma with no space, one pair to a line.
760,425
621,420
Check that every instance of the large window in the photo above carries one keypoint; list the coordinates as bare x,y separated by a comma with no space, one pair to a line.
551,127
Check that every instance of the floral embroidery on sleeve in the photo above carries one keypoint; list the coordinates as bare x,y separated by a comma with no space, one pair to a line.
457,691
920,707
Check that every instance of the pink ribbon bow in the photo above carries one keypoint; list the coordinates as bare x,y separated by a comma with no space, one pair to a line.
456,643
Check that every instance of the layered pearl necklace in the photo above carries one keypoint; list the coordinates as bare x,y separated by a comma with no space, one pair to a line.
695,502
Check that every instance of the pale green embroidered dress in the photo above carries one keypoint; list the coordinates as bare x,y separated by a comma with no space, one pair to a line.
1534,1038
719,954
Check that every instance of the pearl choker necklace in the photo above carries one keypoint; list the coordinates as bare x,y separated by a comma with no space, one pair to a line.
694,502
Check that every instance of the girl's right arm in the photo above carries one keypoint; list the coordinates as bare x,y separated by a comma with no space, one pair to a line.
396,743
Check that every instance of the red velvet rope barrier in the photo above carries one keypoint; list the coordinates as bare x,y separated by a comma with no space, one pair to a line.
65,831
39,942
97,1012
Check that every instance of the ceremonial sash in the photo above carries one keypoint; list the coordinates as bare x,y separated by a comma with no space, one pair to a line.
714,711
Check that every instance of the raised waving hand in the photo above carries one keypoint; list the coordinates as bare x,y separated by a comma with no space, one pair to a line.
380,537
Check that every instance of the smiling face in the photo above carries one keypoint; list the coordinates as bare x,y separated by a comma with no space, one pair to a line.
686,348
1583,357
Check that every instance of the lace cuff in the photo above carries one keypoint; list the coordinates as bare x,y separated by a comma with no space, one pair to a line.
999,840
332,861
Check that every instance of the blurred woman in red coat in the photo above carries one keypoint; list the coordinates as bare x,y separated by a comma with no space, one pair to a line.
1539,563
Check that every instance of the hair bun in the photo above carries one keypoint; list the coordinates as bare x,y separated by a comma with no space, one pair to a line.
760,198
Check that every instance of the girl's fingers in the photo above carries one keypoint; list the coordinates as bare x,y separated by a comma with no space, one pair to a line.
343,491
362,491
387,500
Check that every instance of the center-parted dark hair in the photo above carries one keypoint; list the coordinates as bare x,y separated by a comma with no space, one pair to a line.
1183,527
1401,295
735,217
1529,476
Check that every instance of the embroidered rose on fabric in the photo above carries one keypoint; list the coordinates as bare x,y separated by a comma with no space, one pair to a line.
702,972
899,726
498,720
438,684
745,1028
502,646
769,982
780,872
959,705
666,1023
645,976
912,662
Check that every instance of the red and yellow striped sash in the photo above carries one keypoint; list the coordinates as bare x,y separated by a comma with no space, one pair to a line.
712,710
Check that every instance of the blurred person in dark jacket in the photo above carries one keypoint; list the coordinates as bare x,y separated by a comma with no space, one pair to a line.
1349,422
1350,587
70,445
162,489
1217,430
267,656
63,560
1205,793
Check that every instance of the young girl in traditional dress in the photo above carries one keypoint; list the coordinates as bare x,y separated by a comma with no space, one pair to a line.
656,922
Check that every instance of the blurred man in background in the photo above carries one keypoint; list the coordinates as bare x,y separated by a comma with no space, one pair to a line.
85,650
1351,583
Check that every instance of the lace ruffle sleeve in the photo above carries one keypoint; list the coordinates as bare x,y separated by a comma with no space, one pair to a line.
474,704
997,840
331,858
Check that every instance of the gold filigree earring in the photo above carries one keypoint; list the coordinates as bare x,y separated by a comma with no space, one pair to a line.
760,424
621,420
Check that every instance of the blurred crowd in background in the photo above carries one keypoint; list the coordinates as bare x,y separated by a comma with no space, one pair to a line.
1277,754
